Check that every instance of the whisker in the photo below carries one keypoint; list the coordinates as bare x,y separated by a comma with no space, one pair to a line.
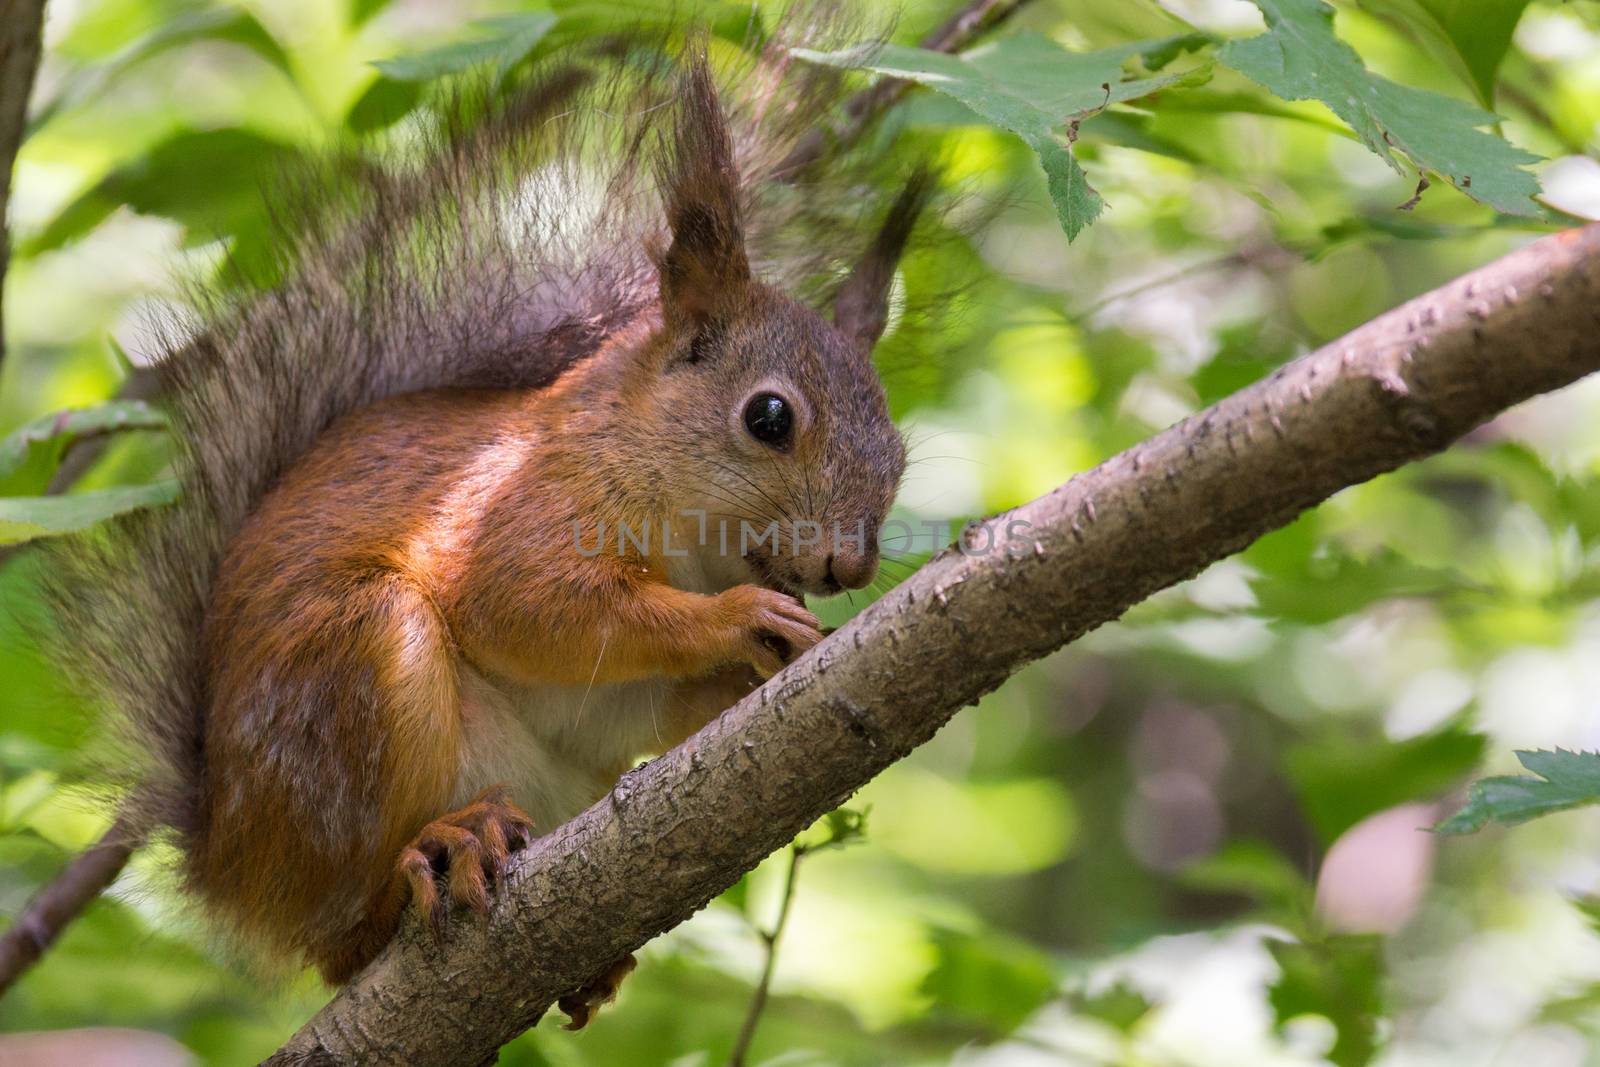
736,472
748,508
734,500
592,676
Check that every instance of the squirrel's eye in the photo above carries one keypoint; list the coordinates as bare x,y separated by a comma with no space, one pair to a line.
769,419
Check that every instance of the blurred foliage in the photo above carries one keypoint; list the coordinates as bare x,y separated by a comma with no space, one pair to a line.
1196,837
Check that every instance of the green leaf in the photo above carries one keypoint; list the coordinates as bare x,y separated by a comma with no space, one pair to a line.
1471,36
1300,58
510,38
1341,781
991,979
226,24
1038,90
361,11
1334,583
385,102
840,827
1120,1006
1254,869
23,518
1338,978
1565,780
209,180
38,445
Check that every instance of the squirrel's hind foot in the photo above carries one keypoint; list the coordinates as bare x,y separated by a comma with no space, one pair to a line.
467,850
581,1004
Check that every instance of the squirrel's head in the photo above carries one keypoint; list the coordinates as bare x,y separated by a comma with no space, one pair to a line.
786,443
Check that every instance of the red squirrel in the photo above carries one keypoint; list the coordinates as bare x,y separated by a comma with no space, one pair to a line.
466,528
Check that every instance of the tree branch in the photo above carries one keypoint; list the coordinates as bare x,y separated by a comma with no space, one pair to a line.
684,827
21,23
64,897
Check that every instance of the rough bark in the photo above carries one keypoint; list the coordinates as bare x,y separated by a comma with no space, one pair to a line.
682,828
21,22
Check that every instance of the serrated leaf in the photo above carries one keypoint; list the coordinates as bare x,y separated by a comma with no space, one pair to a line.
1033,87
508,40
1300,58
24,518
43,438
1471,36
1565,780
1338,978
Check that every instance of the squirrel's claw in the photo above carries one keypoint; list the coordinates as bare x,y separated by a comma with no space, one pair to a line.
580,1005
468,849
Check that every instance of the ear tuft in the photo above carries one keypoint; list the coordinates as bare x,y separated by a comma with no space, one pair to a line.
705,267
861,308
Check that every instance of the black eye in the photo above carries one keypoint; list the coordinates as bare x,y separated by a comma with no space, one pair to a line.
769,418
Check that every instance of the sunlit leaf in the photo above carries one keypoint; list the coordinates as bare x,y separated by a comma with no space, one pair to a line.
23,518
1565,780
984,828
229,25
1033,87
1300,58
209,180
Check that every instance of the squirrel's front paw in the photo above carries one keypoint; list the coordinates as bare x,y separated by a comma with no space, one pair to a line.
467,849
773,629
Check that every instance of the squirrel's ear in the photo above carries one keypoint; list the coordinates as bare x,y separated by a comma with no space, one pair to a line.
705,267
861,308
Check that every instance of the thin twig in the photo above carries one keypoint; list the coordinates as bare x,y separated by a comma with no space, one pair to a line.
758,1002
60,901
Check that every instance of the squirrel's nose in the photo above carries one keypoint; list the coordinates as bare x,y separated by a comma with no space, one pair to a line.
853,570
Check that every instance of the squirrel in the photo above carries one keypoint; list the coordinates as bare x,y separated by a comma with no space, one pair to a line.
408,612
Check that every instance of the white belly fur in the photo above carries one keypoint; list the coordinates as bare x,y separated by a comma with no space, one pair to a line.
557,748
